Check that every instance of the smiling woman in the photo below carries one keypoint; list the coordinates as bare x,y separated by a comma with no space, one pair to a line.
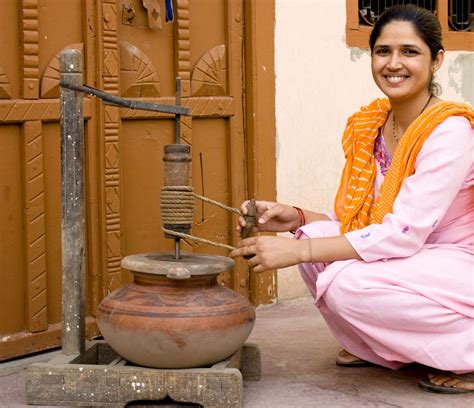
406,52
390,269
402,62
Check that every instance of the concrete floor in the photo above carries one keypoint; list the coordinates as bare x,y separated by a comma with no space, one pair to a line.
298,370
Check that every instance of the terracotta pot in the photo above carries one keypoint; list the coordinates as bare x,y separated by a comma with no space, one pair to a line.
175,314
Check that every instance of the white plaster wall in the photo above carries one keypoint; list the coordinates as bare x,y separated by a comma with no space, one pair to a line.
319,83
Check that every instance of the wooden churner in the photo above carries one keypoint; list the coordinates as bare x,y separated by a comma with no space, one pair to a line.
177,205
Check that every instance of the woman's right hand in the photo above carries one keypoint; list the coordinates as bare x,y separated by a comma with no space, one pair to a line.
271,216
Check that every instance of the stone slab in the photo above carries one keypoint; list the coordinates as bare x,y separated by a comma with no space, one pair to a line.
101,378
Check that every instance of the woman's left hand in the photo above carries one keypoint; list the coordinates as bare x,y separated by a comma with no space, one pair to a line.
268,252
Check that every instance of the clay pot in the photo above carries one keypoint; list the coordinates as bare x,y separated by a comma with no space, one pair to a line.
175,314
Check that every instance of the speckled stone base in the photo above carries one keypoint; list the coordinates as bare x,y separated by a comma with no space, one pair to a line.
101,378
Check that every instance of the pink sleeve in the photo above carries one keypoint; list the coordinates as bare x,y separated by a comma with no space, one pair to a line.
332,215
442,165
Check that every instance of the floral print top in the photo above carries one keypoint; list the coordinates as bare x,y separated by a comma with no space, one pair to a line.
381,154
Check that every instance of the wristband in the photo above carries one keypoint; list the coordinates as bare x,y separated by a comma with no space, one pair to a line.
301,218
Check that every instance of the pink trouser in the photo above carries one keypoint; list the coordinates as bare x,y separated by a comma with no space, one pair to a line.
373,316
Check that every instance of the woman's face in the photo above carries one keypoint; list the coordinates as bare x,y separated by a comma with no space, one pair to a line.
401,62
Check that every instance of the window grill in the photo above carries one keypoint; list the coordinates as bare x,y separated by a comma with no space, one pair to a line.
370,10
461,15
455,16
460,12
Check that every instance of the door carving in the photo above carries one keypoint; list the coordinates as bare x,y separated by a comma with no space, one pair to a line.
123,56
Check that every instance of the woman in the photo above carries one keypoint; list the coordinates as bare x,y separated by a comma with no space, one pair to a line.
395,260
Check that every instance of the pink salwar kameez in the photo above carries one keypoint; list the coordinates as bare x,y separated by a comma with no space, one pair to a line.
411,297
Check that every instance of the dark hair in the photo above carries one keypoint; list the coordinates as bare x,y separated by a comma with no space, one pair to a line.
425,23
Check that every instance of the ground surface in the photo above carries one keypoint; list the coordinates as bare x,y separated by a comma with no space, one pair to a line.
298,370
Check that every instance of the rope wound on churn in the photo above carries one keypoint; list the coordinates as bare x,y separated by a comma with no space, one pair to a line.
177,198
177,201
177,205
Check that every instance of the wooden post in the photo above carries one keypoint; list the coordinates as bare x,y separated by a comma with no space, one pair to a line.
72,205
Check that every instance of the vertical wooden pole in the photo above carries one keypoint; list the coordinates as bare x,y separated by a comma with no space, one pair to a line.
72,205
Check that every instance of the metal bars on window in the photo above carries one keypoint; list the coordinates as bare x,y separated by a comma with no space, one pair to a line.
370,10
461,15
460,12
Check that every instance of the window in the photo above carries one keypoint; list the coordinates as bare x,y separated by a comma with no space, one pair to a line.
456,18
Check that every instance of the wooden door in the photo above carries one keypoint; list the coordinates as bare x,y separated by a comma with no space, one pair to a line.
131,52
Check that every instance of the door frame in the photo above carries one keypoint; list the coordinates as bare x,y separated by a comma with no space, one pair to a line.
260,122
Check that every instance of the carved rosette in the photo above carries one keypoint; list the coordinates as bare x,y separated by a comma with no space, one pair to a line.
137,73
5,92
50,80
209,74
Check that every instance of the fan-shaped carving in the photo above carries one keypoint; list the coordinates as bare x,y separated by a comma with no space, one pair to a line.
209,73
50,80
137,73
5,92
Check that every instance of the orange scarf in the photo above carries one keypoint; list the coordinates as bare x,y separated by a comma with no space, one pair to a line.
354,204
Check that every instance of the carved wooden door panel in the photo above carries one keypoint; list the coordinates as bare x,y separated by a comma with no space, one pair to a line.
30,253
129,50
204,48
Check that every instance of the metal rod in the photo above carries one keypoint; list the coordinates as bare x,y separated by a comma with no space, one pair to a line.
178,116
202,186
177,248
72,205
177,137
113,100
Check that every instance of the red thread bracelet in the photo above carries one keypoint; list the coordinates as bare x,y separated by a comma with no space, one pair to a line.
301,217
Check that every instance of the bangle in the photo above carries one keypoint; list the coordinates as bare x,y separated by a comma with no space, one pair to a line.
301,218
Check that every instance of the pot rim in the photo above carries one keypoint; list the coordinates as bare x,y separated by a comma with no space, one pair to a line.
190,264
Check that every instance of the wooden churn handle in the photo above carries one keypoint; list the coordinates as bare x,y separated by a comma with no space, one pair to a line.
250,221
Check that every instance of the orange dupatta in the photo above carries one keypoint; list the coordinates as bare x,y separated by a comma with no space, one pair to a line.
354,203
